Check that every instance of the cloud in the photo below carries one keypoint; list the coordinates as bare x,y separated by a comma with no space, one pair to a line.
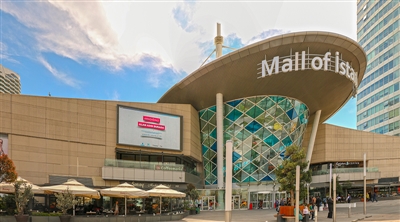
169,38
4,55
115,96
234,42
266,34
183,15
59,75
80,31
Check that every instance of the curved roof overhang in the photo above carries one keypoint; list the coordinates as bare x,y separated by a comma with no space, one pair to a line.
236,75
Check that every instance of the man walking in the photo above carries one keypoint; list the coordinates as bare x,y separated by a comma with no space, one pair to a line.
374,197
348,199
318,202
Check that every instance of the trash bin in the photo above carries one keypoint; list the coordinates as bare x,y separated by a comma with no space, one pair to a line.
251,206
197,210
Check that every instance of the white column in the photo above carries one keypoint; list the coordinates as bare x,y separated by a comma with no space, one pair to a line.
330,180
228,182
220,140
218,40
334,197
312,138
365,184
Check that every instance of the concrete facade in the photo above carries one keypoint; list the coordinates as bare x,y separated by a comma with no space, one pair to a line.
52,136
338,144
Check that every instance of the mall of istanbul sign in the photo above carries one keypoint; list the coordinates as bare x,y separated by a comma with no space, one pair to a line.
306,61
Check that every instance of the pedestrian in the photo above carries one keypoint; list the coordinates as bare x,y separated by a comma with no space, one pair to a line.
282,203
116,209
318,202
330,207
348,199
312,211
374,197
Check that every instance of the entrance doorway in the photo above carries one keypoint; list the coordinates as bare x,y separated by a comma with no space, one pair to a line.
208,203
236,202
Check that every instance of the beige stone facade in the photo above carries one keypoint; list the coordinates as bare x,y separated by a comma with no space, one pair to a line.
73,137
338,144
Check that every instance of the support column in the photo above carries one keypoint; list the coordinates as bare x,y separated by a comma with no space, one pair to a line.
334,197
218,40
220,140
312,138
228,182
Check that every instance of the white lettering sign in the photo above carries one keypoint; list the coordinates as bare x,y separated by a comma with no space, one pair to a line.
306,61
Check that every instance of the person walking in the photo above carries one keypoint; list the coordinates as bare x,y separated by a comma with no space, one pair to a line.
348,199
330,207
116,211
318,202
374,197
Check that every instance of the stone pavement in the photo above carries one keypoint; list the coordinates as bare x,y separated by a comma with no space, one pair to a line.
385,210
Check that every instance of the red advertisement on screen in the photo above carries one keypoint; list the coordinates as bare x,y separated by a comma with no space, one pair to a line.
151,126
151,119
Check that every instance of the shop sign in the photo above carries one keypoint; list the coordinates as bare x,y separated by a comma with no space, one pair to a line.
306,61
339,164
146,185
168,167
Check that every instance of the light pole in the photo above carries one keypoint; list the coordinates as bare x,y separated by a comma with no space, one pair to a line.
308,193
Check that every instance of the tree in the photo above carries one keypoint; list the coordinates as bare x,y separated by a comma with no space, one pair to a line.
65,201
191,192
286,173
23,193
7,169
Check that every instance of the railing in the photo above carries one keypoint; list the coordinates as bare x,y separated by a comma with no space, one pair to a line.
345,170
149,165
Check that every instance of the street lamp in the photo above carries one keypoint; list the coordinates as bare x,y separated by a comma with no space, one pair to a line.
308,193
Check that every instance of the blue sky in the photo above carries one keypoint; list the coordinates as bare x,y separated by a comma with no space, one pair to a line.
136,50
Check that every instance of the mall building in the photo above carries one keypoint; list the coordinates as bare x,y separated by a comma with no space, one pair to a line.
264,97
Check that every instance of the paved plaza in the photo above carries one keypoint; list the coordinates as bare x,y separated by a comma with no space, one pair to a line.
384,210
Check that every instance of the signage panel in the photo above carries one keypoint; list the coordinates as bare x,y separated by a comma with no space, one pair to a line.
138,127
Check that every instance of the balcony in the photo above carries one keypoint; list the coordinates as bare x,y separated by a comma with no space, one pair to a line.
114,169
346,174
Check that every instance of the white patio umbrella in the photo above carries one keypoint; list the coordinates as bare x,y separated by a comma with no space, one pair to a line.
164,191
75,188
124,190
9,187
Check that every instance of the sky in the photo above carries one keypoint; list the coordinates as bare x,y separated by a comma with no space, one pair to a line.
134,51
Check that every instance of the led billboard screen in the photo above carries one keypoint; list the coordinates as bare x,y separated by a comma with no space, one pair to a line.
138,127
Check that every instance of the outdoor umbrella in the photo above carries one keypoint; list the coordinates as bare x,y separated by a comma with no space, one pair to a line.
75,188
125,190
164,191
9,187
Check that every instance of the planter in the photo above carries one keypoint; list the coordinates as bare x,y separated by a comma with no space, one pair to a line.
22,218
192,212
65,218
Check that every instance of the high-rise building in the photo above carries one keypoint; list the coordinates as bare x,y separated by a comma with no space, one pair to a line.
378,94
9,81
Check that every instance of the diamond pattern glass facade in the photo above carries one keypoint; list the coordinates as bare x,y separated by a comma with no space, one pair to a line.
261,128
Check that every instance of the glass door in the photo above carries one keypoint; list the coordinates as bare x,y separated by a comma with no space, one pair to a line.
208,203
236,202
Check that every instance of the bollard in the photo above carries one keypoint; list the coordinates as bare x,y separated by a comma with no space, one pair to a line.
316,215
349,210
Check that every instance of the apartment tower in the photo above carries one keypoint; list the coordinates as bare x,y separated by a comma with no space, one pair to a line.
378,94
10,81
